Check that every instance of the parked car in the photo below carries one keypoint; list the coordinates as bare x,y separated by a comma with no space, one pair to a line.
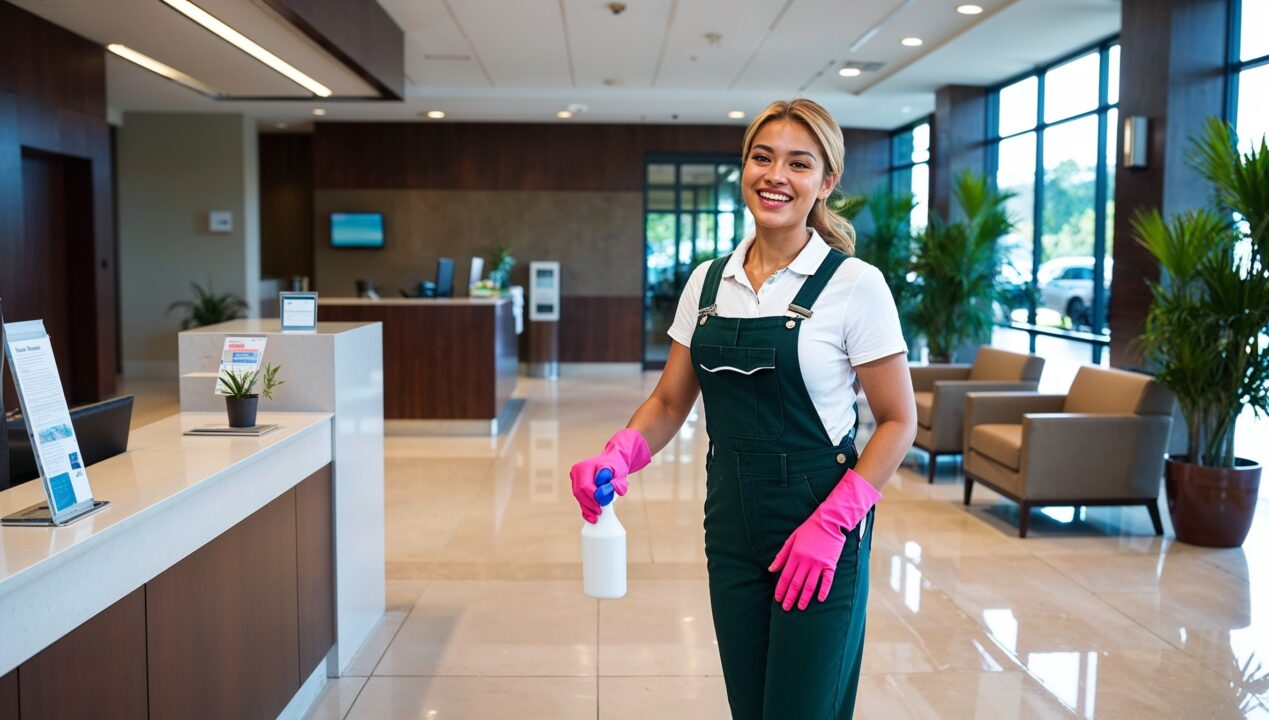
1066,286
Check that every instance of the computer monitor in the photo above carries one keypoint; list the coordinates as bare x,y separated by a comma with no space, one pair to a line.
445,277
100,428
477,271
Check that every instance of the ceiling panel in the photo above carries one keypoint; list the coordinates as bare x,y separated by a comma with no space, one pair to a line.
153,28
521,43
691,61
436,53
621,47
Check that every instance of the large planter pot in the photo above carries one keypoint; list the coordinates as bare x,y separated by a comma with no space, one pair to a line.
1212,506
242,411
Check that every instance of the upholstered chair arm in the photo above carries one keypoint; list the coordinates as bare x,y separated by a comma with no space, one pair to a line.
924,376
949,406
1007,407
1077,456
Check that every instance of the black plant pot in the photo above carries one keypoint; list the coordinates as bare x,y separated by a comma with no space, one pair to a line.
242,411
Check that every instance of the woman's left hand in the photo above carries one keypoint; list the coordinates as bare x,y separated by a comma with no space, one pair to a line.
809,557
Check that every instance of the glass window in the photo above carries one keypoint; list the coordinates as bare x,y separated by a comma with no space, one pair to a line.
1015,173
910,170
1253,105
1112,76
921,143
1253,40
660,174
1018,106
1072,88
1067,235
920,189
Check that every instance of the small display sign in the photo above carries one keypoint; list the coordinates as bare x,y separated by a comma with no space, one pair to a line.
241,355
298,311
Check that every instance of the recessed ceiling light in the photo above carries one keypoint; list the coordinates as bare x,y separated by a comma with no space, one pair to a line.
247,45
969,9
319,112
159,68
564,114
736,114
912,41
436,114
850,72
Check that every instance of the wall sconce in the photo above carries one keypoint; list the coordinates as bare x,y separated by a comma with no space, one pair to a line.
1136,141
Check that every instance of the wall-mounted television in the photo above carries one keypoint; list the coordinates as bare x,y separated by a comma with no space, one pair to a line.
356,230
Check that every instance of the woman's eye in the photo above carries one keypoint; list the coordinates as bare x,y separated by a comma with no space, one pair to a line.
760,158
800,165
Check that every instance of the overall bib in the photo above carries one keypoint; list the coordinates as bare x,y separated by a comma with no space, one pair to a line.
770,464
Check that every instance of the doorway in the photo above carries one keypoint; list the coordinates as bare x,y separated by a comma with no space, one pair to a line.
693,212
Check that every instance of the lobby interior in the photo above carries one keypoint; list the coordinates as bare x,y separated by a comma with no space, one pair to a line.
607,139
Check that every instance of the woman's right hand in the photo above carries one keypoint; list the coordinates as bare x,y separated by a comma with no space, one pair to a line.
625,452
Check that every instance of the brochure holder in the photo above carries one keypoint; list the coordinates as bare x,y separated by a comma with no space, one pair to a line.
68,496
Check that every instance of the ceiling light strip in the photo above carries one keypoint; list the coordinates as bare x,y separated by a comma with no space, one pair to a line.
247,45
872,32
166,71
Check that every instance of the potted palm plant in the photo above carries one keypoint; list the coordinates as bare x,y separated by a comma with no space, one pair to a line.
208,308
957,264
887,245
241,398
1206,335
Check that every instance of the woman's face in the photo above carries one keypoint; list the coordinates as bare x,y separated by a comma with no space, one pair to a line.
784,175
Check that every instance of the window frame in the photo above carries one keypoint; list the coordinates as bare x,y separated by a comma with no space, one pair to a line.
1235,66
1099,338
895,169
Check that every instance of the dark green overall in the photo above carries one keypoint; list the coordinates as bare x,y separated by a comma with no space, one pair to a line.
770,464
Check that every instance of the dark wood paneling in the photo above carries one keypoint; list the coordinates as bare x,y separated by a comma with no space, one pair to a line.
222,623
867,160
958,141
53,100
601,329
97,671
440,361
1171,72
358,32
286,205
491,156
315,568
543,342
9,696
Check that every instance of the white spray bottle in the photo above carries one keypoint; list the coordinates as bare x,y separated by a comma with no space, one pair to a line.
604,545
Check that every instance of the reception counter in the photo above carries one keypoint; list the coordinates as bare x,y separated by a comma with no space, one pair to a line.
450,365
205,589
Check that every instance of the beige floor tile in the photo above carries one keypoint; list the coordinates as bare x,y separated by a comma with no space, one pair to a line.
956,696
496,628
661,627
475,698
371,651
670,698
336,699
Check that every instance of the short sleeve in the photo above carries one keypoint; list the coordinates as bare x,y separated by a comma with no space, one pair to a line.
871,328
689,302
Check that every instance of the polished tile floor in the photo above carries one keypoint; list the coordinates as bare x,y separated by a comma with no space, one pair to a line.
1091,616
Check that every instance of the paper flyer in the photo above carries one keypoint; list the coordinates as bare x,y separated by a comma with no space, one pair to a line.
240,355
44,406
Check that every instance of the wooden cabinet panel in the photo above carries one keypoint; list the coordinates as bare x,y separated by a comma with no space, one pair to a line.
315,564
9,696
103,663
222,625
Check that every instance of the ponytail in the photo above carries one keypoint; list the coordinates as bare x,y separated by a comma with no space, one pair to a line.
833,228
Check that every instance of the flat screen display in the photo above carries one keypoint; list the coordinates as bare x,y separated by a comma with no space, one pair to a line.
356,230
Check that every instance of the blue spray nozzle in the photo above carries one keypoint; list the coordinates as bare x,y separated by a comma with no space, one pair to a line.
604,491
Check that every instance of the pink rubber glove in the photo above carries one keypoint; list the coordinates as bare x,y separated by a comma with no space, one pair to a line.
809,557
626,452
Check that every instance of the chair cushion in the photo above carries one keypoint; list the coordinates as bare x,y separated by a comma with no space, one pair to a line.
994,364
1002,443
925,408
1105,390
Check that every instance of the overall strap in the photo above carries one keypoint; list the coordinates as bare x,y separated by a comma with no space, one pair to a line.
709,293
815,284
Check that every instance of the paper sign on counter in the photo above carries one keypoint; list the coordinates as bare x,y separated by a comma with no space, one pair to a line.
240,355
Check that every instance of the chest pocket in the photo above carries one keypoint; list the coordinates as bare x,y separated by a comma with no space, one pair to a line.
743,395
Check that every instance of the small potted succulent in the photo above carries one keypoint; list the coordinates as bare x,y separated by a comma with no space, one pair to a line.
241,398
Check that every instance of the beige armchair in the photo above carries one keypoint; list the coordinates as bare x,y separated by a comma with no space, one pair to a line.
1102,443
941,389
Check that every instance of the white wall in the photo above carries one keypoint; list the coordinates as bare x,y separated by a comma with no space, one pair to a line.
172,170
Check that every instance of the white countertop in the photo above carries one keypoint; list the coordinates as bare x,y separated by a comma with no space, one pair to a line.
264,326
414,301
169,495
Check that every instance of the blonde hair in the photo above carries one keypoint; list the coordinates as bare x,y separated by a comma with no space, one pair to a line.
835,229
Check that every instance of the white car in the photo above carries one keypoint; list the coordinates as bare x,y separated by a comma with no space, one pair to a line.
1066,286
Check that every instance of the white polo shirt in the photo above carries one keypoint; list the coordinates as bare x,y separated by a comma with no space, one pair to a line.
854,322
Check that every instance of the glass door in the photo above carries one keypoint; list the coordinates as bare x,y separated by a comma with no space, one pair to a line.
693,212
